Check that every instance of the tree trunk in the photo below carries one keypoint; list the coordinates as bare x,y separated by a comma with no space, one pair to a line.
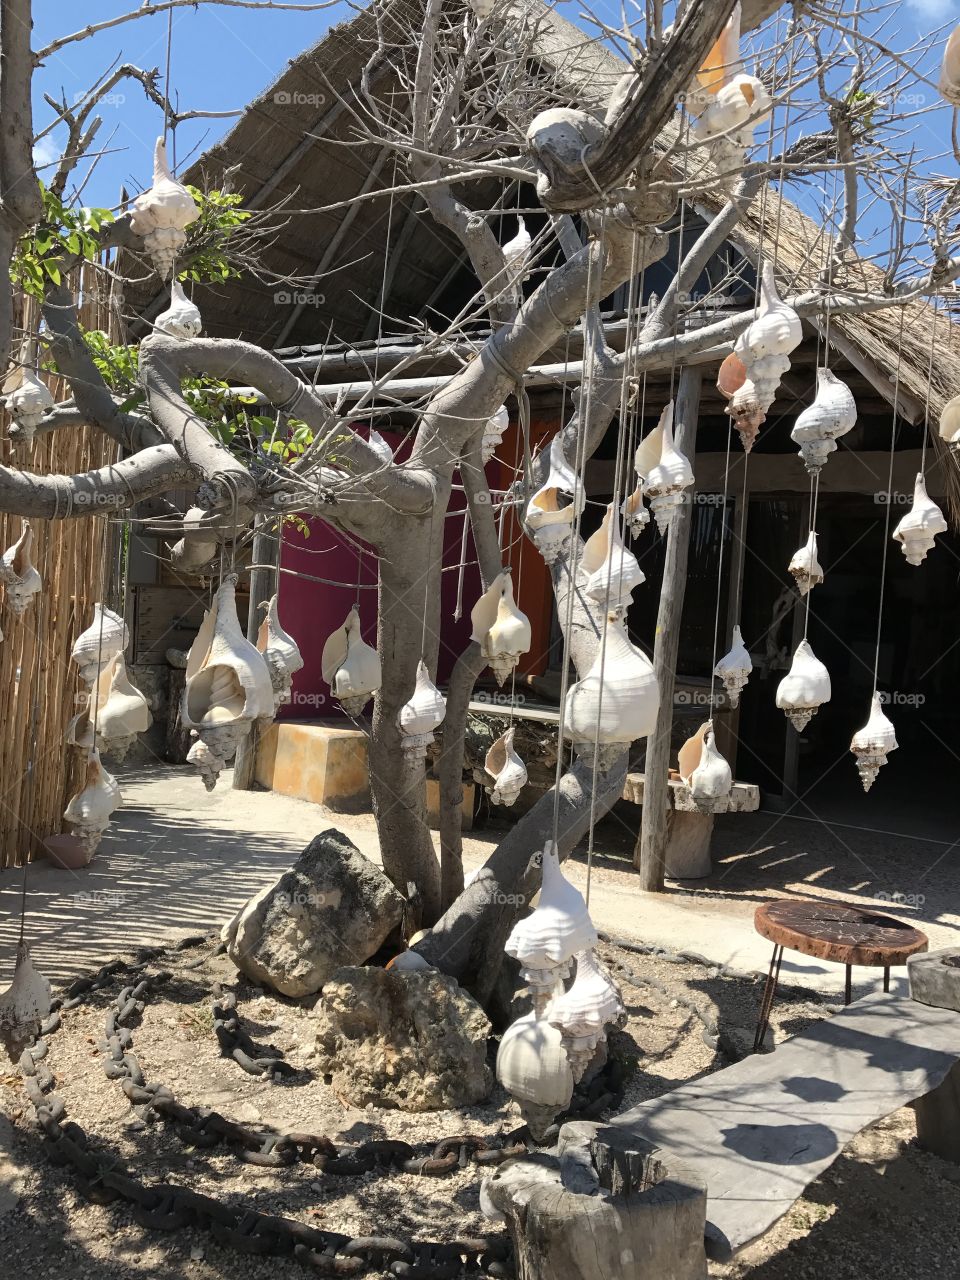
266,553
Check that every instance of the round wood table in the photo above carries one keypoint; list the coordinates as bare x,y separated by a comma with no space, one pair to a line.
831,931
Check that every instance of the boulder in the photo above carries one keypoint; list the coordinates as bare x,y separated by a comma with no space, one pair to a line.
332,908
410,1039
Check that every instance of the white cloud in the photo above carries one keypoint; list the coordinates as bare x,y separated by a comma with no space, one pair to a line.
934,11
45,152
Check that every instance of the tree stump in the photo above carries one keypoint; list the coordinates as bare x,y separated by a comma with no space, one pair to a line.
606,1206
938,1118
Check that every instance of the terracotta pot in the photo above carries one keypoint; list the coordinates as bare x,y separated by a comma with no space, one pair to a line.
67,852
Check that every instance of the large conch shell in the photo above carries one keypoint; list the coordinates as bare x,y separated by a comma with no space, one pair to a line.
95,648
24,1005
533,1067
634,512
704,770
420,715
280,653
832,414
20,579
88,812
507,770
805,566
950,421
350,666
734,668
227,687
121,712
182,318
664,482
493,431
805,688
723,61
616,702
162,214
950,68
582,1013
516,253
26,397
873,743
918,529
500,628
612,571
750,375
549,517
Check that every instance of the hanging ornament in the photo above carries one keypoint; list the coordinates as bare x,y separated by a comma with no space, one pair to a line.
918,529
182,318
635,513
832,414
493,431
227,688
516,253
950,420
280,653
804,689
703,770
117,708
581,1014
19,577
615,703
95,648
507,770
873,743
26,397
612,571
664,482
500,628
533,1067
750,375
805,566
419,716
162,214
950,68
24,1005
377,442
350,666
88,812
554,507
734,668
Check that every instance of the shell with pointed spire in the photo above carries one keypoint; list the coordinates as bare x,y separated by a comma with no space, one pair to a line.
776,329
493,431
582,1013
665,482
420,715
722,62
20,579
27,403
182,318
873,743
805,566
507,770
533,1067
558,927
162,214
950,423
832,414
500,627
635,513
280,652
97,646
88,812
616,702
350,666
950,68
117,708
917,531
734,668
24,1004
516,253
805,688
704,770
554,507
612,571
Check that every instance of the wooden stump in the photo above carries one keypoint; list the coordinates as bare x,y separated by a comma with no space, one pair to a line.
607,1206
938,1118
688,845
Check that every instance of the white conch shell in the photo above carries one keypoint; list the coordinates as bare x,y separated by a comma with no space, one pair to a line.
493,431
27,403
95,648
24,1004
775,331
550,520
582,1013
832,414
89,810
616,702
750,375
280,653
162,214
805,566
635,513
377,442
950,421
722,63
227,684
873,743
735,111
120,714
805,688
420,715
350,666
21,580
703,769
734,668
533,1067
507,770
950,68
182,318
500,628
557,928
917,531
612,571
665,482
516,252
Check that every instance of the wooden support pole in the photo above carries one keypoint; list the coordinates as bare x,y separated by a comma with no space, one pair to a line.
654,817
266,556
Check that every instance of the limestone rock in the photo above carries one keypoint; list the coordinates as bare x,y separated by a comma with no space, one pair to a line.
333,907
935,978
411,1040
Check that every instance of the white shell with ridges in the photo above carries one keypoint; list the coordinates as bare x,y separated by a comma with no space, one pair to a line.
533,1067
117,708
162,214
24,1004
950,422
493,431
805,566
27,404
582,1013
832,414
517,255
617,700
775,331
182,318
664,483
97,646
612,571
950,68
703,769
280,652
734,667
873,743
555,506
88,812
350,666
558,927
21,580
805,688
500,627
507,770
917,531
420,715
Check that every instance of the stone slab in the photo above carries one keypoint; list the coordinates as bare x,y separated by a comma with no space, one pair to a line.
322,763
761,1131
935,978
11,1176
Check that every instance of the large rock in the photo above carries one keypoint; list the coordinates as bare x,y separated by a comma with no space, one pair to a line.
407,1039
334,907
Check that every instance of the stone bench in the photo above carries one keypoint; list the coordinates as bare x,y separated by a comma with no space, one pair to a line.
689,829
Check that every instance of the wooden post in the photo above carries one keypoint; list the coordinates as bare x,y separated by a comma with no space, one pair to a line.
266,556
654,817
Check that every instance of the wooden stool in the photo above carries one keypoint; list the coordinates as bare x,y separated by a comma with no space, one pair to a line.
831,931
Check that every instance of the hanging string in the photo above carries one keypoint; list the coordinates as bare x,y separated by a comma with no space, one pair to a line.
723,540
886,527
814,498
166,82
926,413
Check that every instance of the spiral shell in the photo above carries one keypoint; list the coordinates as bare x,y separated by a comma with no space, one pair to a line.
558,927
507,770
532,1066
280,652
734,668
582,1013
612,571
664,483
549,518
493,431
88,812
95,648
20,579
873,743
805,688
917,531
182,318
950,68
805,566
616,702
704,770
24,1004
832,414
162,214
350,666
420,715
117,708
26,402
500,627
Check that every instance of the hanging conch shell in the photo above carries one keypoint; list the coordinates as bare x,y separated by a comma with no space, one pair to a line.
162,214
227,685
182,318
20,578
516,252
917,531
550,519
832,414
89,811
493,431
280,653
507,770
122,712
873,743
950,421
744,406
664,483
533,1067
704,770
24,1004
616,702
950,68
750,375
582,1013
499,627
418,717
26,398
95,648
727,104
635,513
805,688
805,566
350,666
612,571
722,63
734,668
